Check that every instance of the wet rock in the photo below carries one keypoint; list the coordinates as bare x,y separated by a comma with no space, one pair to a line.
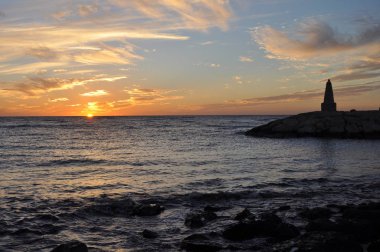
149,234
374,246
316,213
240,232
359,124
199,219
285,231
73,246
197,237
328,242
321,224
113,208
245,215
148,209
212,208
200,242
283,208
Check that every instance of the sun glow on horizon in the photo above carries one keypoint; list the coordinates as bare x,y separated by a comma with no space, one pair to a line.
89,115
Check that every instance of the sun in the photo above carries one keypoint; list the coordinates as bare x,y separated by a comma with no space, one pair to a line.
89,115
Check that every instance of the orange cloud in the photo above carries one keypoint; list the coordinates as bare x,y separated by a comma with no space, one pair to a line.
95,93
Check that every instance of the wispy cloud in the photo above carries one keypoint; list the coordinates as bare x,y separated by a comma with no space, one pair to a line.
245,59
145,96
317,39
340,91
63,99
96,93
87,9
348,56
37,85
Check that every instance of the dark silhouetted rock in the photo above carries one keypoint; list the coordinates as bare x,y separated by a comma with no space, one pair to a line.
149,234
244,215
73,246
240,231
283,208
316,213
328,242
374,246
200,242
285,231
269,225
359,124
199,218
148,209
321,224
213,208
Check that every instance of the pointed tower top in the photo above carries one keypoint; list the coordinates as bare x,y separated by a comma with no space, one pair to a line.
328,102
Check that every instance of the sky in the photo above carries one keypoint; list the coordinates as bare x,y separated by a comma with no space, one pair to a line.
186,57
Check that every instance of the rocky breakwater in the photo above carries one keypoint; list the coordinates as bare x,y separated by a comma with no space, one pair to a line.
355,124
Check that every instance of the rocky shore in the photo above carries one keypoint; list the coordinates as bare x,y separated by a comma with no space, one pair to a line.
325,228
355,124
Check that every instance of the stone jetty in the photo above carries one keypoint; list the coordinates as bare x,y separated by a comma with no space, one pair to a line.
327,123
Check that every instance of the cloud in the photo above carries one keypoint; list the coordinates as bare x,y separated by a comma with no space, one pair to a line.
238,79
365,68
61,15
146,96
85,10
43,53
214,65
189,14
340,91
36,85
245,59
312,39
95,93
63,99
206,43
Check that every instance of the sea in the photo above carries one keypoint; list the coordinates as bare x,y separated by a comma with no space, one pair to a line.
56,172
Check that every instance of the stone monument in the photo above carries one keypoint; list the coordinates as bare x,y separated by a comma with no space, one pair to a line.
328,102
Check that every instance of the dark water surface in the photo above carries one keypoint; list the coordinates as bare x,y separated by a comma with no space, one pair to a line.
55,170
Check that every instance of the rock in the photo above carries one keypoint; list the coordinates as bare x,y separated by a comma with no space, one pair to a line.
73,246
283,208
267,226
200,242
359,124
316,213
112,208
327,242
321,224
199,219
149,234
374,246
285,231
245,214
240,232
212,208
148,209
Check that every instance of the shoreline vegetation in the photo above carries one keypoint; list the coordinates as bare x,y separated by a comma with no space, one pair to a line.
354,124
348,228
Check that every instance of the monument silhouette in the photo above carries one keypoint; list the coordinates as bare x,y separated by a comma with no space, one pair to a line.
328,102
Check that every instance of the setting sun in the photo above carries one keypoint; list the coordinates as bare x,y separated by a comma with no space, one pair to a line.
90,115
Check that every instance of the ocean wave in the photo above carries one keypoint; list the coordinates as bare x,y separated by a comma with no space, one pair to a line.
74,161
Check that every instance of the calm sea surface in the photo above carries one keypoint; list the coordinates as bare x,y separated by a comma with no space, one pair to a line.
55,170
